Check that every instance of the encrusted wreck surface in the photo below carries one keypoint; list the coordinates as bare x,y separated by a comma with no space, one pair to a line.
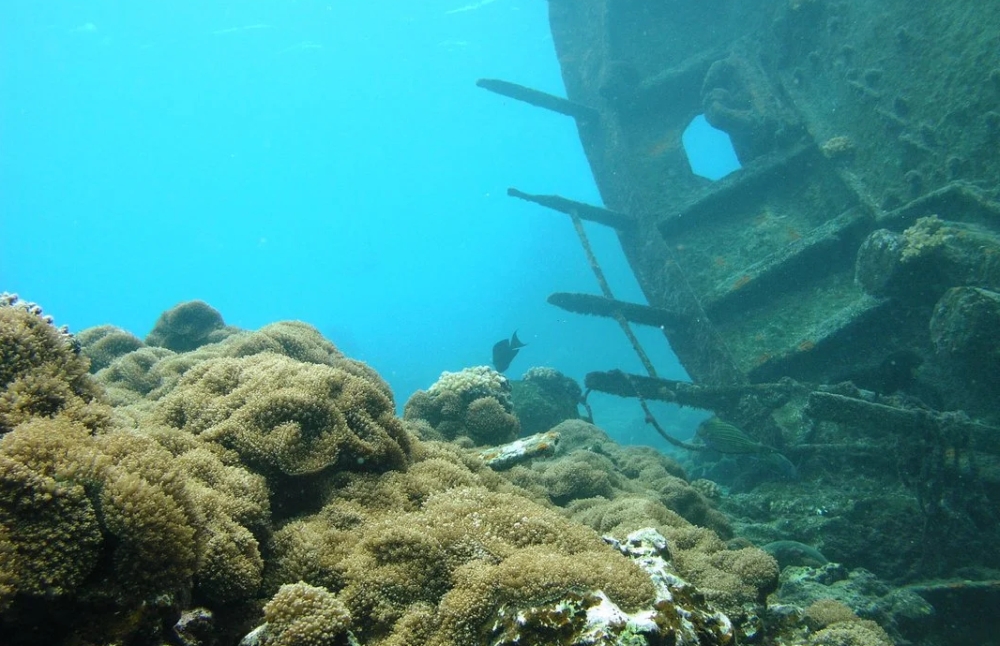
851,119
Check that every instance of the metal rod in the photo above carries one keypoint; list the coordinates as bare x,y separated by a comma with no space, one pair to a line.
589,212
606,290
539,99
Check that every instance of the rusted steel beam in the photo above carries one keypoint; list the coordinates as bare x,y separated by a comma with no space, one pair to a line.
601,306
540,99
746,185
879,420
622,384
588,212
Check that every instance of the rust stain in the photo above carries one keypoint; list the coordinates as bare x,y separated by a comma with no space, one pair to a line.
741,282
667,144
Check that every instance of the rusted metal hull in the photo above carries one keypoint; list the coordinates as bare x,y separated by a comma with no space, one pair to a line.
847,117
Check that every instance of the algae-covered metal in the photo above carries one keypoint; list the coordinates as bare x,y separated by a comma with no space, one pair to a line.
851,119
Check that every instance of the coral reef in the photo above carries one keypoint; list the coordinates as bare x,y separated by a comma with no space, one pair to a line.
118,520
119,517
105,343
188,326
474,403
618,490
132,376
829,590
824,612
300,614
51,533
149,373
707,488
588,465
41,371
592,618
447,543
265,480
852,633
543,398
286,416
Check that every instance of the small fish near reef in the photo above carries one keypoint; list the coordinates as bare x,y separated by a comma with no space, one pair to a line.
726,438
504,351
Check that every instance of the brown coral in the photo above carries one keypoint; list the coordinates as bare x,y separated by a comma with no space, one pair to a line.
233,502
129,378
474,403
105,343
863,632
49,529
487,423
151,373
418,542
434,548
824,612
107,496
116,516
543,398
42,373
591,465
730,579
579,475
282,415
187,326
300,614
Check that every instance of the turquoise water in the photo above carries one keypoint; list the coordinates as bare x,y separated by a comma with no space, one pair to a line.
328,162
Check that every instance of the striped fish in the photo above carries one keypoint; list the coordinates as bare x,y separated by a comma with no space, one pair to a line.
726,438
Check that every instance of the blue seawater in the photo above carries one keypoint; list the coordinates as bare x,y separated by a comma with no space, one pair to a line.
323,161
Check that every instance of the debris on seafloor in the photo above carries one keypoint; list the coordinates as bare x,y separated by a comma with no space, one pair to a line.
678,613
526,448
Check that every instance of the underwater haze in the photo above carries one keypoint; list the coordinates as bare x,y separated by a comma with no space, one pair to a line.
823,469
322,161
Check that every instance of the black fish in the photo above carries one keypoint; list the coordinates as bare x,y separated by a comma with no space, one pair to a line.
505,351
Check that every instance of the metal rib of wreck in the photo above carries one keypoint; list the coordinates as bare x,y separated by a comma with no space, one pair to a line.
867,133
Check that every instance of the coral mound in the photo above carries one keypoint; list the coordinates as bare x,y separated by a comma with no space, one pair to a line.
41,371
105,343
474,403
543,398
300,614
188,326
117,515
283,415
264,480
